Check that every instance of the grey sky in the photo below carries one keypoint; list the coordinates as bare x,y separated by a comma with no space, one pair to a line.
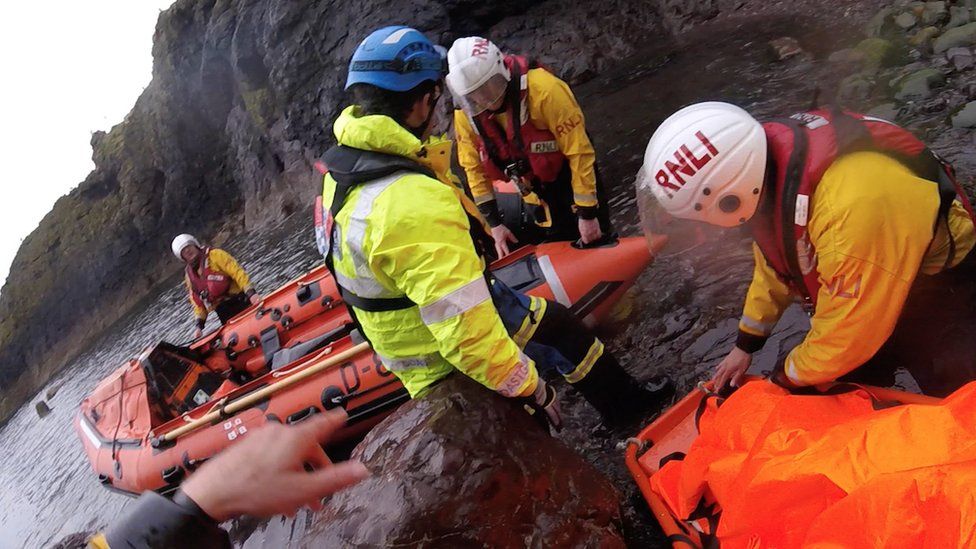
69,68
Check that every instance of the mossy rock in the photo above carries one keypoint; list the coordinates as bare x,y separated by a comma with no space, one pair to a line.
259,105
879,52
924,37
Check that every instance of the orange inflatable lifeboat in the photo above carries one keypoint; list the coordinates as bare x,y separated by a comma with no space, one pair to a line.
154,420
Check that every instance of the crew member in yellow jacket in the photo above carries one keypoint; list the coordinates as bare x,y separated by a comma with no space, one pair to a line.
850,214
214,281
407,249
518,122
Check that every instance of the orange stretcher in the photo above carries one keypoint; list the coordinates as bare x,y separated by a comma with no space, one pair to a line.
673,433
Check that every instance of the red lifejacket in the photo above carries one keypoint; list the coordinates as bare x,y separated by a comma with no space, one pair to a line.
801,148
531,152
210,287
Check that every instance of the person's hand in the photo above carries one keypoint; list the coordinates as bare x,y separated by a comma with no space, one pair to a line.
589,230
503,236
264,474
732,368
254,299
547,401
197,333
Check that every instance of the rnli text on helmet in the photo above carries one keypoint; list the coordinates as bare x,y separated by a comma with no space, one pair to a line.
683,156
480,48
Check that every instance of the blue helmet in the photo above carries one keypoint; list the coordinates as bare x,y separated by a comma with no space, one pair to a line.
395,58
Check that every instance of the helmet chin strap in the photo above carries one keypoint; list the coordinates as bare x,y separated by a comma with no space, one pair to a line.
421,131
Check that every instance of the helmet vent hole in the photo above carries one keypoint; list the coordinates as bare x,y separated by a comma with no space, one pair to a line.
755,191
729,203
706,191
698,207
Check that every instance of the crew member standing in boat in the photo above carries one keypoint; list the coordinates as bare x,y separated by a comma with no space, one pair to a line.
518,122
214,280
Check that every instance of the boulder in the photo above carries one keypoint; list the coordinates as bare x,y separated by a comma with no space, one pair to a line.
884,111
848,56
924,37
42,409
960,58
965,117
464,467
959,16
854,88
785,48
918,85
878,52
880,23
906,20
934,13
959,36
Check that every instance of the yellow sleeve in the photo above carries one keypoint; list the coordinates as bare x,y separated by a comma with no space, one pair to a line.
481,187
98,542
767,299
557,108
429,257
857,309
199,310
867,259
225,263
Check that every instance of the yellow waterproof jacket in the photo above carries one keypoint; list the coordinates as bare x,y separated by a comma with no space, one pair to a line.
871,225
407,235
222,262
552,106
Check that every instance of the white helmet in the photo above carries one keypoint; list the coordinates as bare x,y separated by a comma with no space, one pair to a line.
181,242
477,75
706,162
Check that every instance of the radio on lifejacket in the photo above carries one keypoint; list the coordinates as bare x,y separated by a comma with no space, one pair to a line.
516,172
535,206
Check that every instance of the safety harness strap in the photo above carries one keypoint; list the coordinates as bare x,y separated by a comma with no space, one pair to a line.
350,168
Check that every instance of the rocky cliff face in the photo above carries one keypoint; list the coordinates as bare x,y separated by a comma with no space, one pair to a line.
240,104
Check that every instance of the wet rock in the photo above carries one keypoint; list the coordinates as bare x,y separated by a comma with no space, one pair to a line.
42,409
959,36
854,88
878,24
78,540
847,56
878,52
924,37
961,58
463,467
906,20
885,111
934,13
959,16
785,48
918,85
966,117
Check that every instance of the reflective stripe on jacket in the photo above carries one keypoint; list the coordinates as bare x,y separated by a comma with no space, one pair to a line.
407,234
